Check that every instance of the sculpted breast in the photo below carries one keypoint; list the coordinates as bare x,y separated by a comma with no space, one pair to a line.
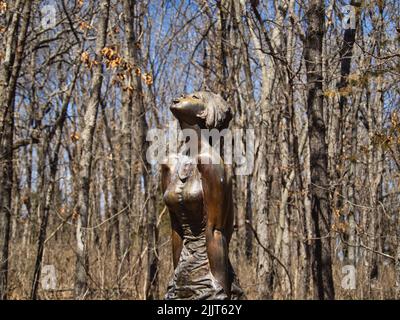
184,195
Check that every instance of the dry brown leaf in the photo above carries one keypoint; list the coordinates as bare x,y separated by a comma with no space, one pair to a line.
83,25
3,7
148,79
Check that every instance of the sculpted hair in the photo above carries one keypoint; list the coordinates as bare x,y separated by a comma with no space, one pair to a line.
218,113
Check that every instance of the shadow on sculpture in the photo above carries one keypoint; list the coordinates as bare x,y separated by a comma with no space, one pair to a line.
198,193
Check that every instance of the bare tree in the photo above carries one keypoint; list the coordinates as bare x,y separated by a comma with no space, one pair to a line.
319,189
15,40
82,263
79,96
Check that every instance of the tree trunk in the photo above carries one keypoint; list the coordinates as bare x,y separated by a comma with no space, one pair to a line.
320,206
15,43
45,209
82,261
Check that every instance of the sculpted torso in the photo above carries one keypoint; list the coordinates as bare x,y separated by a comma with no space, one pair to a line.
184,194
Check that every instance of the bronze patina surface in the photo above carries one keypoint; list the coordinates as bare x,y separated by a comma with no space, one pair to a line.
198,193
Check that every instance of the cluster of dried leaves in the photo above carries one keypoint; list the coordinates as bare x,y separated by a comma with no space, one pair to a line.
115,61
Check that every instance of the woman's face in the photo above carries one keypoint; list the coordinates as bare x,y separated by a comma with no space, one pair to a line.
187,108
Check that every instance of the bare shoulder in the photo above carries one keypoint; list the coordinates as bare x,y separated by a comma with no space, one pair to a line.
213,168
167,167
169,163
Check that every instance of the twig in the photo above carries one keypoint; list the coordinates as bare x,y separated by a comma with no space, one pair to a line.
272,256
368,248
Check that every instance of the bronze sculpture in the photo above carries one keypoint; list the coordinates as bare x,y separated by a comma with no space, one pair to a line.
197,190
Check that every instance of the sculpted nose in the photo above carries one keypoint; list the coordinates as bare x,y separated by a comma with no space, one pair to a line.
176,104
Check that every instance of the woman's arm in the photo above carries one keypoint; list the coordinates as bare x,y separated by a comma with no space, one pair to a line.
176,235
216,188
176,238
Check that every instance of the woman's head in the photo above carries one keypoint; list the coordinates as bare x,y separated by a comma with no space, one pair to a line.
207,109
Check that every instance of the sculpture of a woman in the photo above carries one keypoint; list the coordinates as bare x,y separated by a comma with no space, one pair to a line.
198,193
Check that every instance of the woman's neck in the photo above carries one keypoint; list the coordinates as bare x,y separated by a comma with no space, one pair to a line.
202,143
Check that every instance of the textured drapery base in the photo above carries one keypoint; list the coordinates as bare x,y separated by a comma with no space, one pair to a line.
193,279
